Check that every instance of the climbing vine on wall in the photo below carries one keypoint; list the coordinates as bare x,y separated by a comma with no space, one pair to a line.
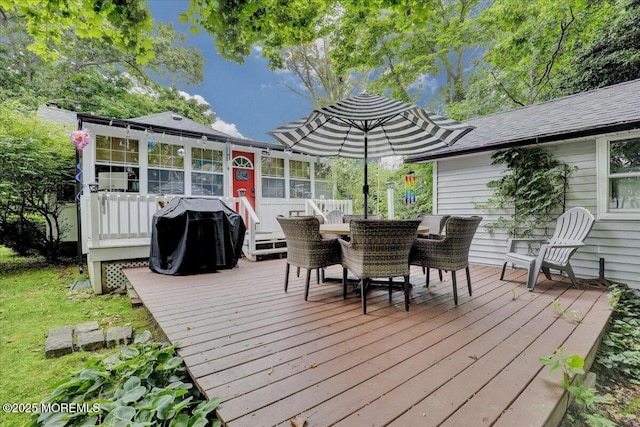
530,194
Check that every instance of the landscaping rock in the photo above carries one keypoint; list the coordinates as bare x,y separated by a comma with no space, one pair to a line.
90,340
59,342
87,326
119,335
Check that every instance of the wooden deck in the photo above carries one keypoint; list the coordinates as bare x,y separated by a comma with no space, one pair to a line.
270,356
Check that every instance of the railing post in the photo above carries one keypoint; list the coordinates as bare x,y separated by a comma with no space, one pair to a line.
93,232
390,199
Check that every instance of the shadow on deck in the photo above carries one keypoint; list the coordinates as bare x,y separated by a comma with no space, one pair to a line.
271,356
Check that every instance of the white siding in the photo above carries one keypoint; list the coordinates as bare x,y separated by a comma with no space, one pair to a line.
462,184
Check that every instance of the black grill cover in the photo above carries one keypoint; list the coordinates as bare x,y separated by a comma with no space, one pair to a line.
195,235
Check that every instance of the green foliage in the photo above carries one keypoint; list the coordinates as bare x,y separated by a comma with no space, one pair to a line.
347,177
613,56
97,77
532,189
121,24
35,296
572,315
402,45
618,356
144,384
38,170
617,362
530,50
239,26
572,365
311,64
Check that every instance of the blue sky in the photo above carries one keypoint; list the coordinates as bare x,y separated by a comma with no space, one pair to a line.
249,96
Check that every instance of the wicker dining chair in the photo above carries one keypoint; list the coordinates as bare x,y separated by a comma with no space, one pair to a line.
449,252
436,227
348,218
435,223
306,248
378,248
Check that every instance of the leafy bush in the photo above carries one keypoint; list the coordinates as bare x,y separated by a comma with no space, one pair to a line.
23,236
618,355
144,384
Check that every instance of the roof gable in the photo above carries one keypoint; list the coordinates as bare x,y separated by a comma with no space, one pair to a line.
609,109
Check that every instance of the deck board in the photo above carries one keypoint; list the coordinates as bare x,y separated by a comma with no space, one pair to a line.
270,355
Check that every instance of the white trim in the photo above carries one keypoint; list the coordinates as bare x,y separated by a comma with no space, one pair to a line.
602,171
434,189
248,162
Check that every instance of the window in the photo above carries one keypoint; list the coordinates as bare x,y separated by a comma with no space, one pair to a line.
166,169
300,179
207,178
619,178
117,164
321,176
273,177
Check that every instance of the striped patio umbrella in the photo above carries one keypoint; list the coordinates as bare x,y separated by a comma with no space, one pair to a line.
368,126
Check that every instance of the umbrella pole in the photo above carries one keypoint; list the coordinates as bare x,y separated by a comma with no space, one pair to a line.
365,187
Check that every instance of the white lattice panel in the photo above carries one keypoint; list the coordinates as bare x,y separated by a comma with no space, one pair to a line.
112,276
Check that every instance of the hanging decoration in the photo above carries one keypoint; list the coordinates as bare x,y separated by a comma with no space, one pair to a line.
80,138
151,144
409,188
79,180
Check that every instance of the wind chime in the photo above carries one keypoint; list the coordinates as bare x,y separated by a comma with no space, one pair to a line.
409,188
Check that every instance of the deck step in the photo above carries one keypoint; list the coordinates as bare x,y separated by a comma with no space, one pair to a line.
270,251
266,243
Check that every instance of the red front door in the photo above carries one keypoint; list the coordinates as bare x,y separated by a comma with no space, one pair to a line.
243,176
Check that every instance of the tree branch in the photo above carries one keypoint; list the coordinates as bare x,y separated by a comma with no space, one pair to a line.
556,52
506,91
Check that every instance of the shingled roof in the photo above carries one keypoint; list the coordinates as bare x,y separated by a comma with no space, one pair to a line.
610,109
170,123
173,120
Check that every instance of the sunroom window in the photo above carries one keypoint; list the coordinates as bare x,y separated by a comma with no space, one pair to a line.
117,164
321,181
622,181
207,177
273,181
166,169
300,179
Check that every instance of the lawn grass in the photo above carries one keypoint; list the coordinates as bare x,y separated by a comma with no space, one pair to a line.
33,298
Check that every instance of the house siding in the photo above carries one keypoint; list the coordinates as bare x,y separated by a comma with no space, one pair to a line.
461,184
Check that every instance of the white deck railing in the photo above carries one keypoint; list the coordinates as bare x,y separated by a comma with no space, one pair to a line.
111,217
323,206
117,216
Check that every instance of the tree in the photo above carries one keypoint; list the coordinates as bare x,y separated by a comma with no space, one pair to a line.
401,48
122,24
90,77
612,57
312,66
238,26
38,167
530,47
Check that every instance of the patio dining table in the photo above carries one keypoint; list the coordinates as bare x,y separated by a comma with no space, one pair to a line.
344,229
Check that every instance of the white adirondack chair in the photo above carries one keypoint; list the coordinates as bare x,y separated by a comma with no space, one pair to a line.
335,217
572,229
